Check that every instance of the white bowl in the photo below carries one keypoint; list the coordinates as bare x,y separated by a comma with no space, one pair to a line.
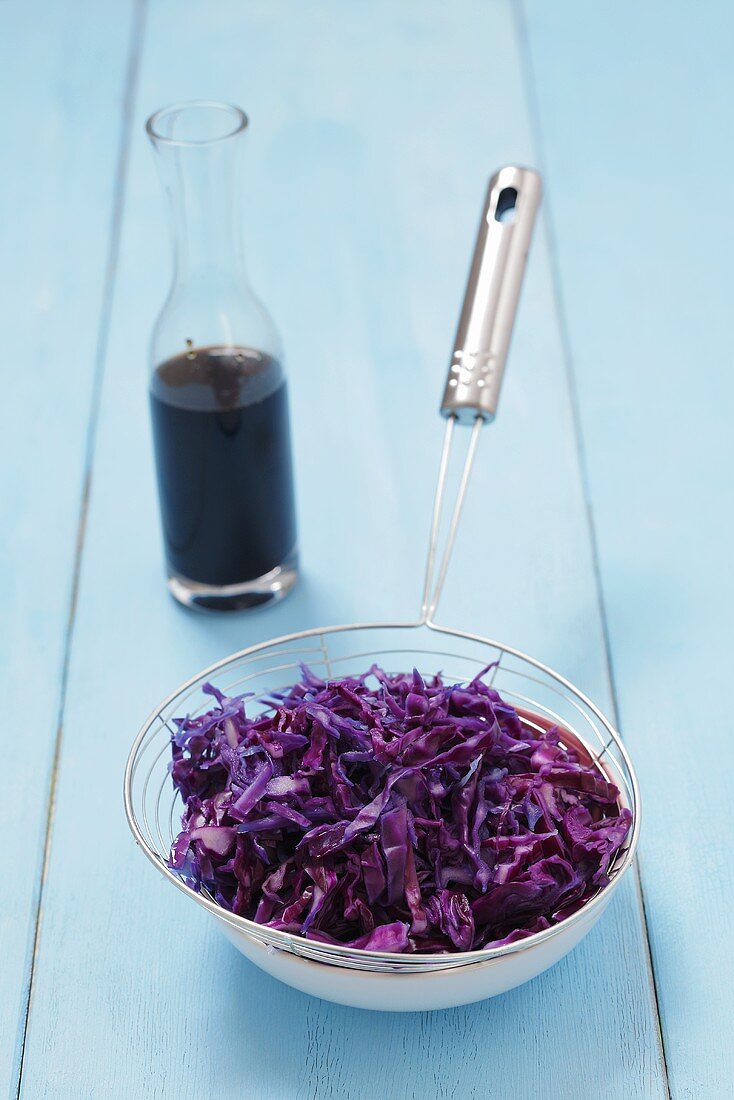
415,992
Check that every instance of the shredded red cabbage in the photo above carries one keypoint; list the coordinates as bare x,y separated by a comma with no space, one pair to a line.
392,813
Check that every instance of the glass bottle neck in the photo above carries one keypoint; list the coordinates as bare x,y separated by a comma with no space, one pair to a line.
200,182
198,148
211,304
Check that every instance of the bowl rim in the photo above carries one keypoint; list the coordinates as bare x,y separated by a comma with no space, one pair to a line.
333,954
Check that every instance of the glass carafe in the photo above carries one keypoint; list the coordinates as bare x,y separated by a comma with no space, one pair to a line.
218,390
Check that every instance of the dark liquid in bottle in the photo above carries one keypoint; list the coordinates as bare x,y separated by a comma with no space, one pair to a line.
222,448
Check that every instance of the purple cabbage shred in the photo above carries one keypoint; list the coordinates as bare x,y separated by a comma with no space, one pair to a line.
392,813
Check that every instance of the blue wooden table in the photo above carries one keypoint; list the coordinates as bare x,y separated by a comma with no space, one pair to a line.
374,128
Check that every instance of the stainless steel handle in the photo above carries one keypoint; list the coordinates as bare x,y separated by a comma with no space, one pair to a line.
491,297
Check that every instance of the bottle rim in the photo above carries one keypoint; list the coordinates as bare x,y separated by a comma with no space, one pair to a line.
195,111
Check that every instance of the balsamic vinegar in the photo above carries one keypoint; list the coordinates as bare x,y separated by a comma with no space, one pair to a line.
222,447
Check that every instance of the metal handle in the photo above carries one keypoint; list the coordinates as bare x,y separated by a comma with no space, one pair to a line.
492,293
482,340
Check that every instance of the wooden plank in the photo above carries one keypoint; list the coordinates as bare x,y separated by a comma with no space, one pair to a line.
373,135
635,110
61,80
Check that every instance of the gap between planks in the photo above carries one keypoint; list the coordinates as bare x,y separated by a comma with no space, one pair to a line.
531,94
128,99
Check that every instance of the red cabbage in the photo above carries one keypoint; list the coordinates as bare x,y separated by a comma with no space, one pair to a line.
391,813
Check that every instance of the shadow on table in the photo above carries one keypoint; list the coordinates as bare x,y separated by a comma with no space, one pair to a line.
281,1044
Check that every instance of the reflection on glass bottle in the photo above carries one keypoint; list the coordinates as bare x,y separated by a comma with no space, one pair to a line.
218,390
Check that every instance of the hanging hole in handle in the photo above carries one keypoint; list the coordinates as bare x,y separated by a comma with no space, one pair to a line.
506,206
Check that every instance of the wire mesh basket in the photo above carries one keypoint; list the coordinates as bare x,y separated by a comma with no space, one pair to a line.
541,697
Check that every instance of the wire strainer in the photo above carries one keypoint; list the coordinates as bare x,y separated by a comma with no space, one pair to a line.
542,697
